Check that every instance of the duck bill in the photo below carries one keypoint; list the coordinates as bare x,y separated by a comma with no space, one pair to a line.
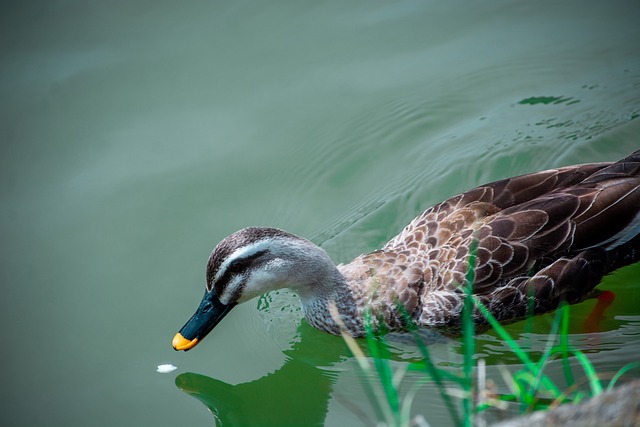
207,316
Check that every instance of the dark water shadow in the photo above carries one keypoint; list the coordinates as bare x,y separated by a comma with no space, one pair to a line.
296,394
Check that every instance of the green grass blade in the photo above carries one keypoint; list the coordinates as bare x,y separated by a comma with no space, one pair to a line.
373,394
589,370
380,353
436,373
468,336
522,355
380,407
587,366
405,411
590,373
533,387
621,372
564,344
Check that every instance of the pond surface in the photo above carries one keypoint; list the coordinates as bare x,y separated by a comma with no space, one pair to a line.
136,135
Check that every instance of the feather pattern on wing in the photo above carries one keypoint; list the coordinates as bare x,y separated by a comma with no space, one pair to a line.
549,235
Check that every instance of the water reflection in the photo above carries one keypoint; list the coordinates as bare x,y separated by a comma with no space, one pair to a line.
296,394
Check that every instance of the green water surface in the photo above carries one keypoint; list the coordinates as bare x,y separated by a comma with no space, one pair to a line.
137,134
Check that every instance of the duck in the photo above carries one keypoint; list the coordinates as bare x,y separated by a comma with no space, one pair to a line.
532,242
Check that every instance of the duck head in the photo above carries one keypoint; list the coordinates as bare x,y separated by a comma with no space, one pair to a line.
247,264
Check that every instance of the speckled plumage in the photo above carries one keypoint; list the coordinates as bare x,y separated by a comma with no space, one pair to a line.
550,236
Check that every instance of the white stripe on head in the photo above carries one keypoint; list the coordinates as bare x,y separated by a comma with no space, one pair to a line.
243,252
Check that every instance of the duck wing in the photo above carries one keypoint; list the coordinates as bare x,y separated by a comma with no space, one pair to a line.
551,235
600,211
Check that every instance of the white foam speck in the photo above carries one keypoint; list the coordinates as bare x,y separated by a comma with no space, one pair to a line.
165,369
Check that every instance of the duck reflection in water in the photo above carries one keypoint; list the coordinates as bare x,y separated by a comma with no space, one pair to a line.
296,394
299,392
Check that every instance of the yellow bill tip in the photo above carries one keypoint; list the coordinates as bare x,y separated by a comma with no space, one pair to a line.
181,343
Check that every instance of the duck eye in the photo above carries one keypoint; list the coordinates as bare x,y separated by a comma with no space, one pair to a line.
236,267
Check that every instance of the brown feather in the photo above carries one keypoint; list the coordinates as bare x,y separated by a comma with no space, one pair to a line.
534,233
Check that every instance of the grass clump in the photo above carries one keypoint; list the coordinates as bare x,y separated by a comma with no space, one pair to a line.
530,386
464,394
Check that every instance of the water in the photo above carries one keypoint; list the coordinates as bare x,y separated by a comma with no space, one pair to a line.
136,135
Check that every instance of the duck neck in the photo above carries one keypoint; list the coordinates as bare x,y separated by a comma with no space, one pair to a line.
307,269
318,306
